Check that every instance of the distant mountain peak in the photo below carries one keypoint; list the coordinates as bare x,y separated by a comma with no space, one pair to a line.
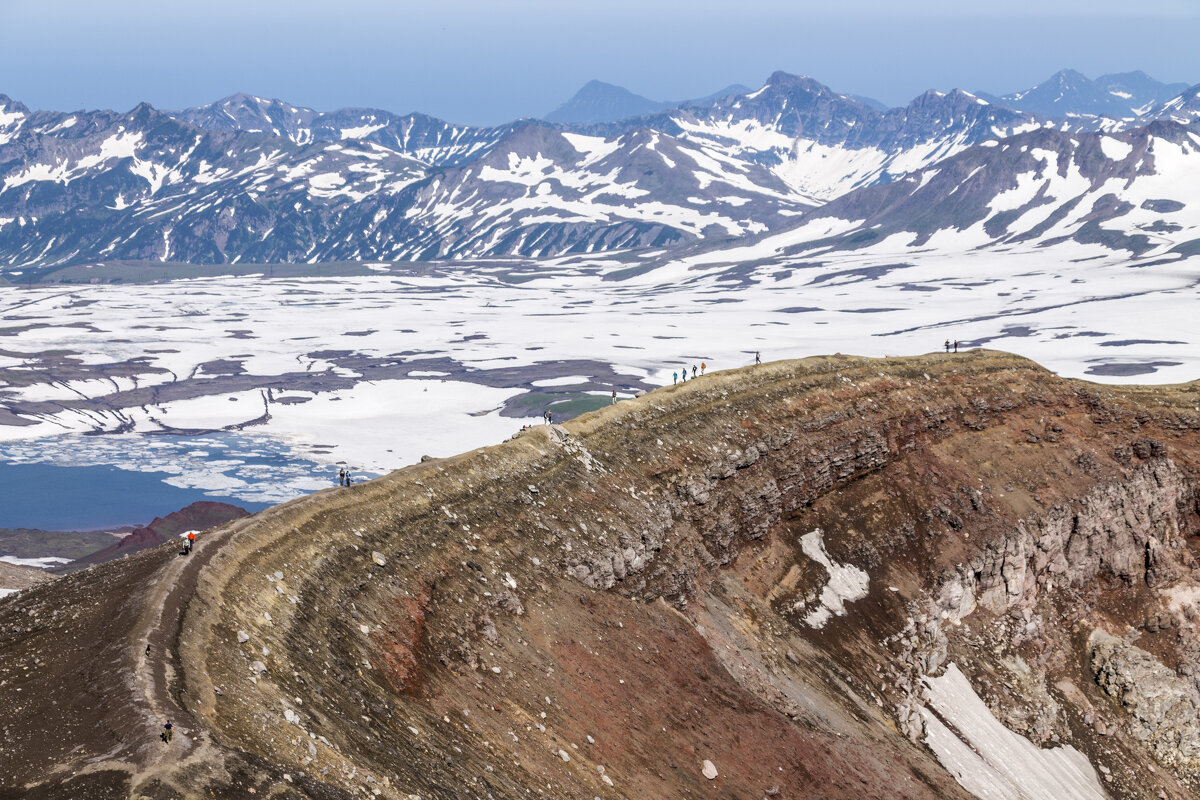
8,104
789,80
1136,74
1069,76
595,86
598,101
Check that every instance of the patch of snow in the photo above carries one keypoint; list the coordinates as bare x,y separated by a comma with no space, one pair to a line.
566,380
40,563
847,582
328,180
1115,149
990,761
361,131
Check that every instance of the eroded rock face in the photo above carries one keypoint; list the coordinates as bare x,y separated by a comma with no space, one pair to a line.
1132,529
1158,702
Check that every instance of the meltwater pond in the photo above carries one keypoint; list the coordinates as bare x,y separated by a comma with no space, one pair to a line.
76,482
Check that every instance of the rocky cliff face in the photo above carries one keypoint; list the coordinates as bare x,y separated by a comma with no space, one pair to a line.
829,578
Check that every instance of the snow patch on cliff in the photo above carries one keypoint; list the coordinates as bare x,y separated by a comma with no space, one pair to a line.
847,582
990,761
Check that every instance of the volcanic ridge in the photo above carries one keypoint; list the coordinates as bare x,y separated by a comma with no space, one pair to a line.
947,576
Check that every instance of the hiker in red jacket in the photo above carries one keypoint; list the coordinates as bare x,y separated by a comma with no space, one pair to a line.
191,539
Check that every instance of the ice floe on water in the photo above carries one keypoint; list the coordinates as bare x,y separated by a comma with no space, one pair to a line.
566,380
371,428
254,469
990,761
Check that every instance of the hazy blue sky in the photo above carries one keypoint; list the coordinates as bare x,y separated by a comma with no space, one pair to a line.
483,61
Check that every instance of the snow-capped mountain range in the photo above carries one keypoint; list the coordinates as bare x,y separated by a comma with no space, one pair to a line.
1124,96
1129,194
252,180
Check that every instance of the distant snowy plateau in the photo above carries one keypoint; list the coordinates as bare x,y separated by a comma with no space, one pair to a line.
362,288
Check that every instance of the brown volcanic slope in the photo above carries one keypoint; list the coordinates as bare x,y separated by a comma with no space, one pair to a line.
595,609
197,516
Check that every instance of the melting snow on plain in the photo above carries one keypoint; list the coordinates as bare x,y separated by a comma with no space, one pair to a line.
1081,310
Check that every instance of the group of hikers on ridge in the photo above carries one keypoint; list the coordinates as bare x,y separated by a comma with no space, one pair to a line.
344,477
696,369
696,372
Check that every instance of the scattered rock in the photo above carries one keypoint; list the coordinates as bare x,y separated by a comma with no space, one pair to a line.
709,770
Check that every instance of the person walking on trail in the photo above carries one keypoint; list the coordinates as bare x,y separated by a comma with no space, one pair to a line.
702,367
191,541
674,378
694,370
947,345
956,345
757,357
168,732
549,417
614,402
342,476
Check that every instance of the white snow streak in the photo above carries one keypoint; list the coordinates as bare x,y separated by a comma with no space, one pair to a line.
847,582
990,761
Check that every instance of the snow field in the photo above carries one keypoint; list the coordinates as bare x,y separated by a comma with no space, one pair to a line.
1080,310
